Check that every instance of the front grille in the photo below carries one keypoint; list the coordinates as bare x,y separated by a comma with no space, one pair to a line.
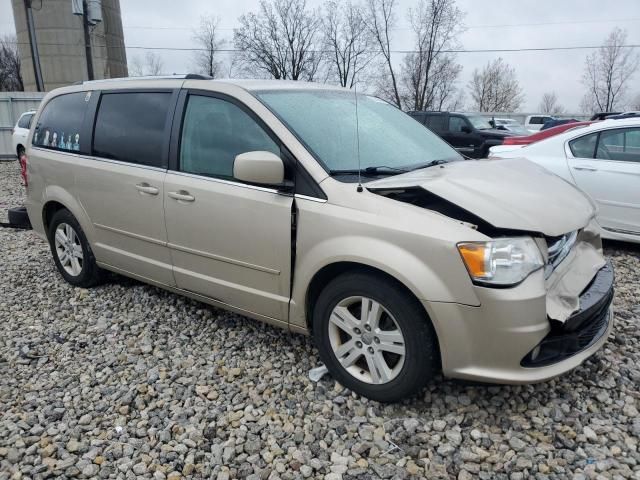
583,329
558,248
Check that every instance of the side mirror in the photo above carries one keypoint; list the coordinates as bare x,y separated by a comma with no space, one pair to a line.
465,129
263,168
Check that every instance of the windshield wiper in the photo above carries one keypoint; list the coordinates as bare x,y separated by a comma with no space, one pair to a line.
378,170
432,163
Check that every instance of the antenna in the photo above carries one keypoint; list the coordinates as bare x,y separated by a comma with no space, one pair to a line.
355,92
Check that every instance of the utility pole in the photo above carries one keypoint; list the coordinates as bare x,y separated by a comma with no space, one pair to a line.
35,56
87,39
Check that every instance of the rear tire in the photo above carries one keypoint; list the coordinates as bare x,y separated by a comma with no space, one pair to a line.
21,151
71,251
389,353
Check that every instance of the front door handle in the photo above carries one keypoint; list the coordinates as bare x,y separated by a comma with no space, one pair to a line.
144,187
182,195
586,169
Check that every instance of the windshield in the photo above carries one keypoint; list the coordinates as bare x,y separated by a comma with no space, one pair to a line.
325,121
479,122
517,129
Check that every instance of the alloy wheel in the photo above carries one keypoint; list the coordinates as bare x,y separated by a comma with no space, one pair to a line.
366,340
69,249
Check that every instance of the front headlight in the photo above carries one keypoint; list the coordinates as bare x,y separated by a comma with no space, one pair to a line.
501,262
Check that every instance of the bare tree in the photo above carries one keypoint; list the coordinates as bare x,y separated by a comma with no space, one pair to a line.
231,66
10,75
380,21
150,64
607,73
635,103
455,103
347,41
495,88
430,72
280,40
207,37
154,63
549,104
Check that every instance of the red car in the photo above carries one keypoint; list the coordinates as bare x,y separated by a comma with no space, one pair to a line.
542,134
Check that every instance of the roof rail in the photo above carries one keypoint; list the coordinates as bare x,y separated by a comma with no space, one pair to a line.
185,76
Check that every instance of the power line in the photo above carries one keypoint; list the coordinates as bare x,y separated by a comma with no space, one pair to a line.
569,22
500,25
235,50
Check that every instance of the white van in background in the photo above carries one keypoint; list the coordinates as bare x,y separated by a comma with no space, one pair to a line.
534,123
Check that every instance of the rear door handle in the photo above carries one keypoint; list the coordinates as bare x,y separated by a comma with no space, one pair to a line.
182,195
144,187
586,169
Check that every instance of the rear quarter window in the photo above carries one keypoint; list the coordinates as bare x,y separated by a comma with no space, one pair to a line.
436,123
419,117
61,122
584,147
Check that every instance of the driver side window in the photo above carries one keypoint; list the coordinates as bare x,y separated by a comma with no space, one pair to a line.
456,124
214,131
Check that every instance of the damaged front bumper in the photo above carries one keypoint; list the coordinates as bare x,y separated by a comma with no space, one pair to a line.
531,332
582,329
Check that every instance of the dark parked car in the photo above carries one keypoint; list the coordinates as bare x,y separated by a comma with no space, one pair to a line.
624,115
603,115
470,134
557,121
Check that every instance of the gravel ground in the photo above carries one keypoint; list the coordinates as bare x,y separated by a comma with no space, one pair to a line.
128,381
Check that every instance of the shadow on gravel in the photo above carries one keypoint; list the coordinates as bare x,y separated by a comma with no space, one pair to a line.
623,247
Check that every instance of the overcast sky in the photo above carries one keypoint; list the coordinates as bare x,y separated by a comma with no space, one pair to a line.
490,24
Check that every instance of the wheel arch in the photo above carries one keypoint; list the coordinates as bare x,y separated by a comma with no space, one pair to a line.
335,269
57,198
48,211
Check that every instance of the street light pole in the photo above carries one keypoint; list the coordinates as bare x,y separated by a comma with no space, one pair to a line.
87,40
35,56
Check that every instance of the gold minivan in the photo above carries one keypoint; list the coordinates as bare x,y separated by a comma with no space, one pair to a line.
327,213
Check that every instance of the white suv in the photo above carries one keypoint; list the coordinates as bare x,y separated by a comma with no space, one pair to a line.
21,132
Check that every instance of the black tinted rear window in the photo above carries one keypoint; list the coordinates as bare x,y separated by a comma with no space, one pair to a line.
131,127
436,122
61,122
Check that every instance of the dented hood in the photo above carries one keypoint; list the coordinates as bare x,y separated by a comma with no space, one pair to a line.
506,193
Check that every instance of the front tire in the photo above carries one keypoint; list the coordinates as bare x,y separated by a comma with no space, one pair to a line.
374,337
71,251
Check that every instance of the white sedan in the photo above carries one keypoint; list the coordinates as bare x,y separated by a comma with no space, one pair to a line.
603,160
